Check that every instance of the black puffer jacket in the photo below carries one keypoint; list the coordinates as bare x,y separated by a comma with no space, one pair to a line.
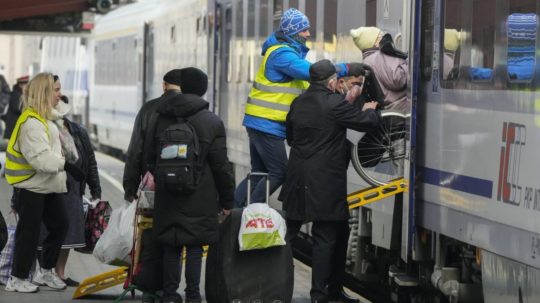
137,156
181,219
86,154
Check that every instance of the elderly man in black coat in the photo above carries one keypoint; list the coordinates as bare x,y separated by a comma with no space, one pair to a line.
316,184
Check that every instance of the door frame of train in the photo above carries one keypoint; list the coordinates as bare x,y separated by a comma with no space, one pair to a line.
148,59
408,222
221,50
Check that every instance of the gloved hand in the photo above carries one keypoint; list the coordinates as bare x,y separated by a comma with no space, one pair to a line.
74,171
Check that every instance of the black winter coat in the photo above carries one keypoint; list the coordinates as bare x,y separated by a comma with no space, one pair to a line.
182,219
87,156
13,112
137,163
316,184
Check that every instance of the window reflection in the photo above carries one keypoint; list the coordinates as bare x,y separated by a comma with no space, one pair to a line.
452,39
482,40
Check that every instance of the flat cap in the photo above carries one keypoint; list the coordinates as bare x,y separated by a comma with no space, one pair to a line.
321,70
173,77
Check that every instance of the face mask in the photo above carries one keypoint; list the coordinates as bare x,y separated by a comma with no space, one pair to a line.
299,39
62,108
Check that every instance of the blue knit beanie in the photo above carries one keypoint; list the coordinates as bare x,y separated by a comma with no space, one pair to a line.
293,22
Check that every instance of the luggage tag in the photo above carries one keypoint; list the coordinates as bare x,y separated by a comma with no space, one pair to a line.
182,151
169,152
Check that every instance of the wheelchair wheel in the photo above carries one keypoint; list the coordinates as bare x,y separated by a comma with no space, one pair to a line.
379,156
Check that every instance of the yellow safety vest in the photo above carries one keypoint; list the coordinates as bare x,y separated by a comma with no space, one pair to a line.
272,100
17,168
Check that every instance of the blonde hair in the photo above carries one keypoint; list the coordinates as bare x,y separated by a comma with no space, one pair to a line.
39,94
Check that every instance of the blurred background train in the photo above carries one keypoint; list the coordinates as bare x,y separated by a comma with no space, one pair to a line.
468,229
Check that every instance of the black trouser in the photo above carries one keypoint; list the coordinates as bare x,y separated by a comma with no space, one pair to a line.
172,267
35,208
329,252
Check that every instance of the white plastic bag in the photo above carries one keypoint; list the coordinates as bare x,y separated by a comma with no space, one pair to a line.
117,240
261,227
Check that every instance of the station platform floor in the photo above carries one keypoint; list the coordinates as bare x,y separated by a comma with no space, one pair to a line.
81,266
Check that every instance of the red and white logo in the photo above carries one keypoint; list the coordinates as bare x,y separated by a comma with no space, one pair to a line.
513,138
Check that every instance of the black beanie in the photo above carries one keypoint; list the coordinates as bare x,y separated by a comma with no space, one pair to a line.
194,81
173,77
321,70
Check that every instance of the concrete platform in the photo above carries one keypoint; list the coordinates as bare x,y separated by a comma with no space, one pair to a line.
81,266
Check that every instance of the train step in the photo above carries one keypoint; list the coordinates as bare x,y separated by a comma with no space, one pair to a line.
376,193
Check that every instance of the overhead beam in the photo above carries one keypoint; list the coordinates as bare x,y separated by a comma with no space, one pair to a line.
11,10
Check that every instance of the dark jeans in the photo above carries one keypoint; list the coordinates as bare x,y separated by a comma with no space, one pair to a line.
329,253
268,155
33,209
172,267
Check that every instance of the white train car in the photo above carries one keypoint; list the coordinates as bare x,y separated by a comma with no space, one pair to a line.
68,58
468,230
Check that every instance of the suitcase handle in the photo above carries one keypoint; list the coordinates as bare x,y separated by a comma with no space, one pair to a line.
267,182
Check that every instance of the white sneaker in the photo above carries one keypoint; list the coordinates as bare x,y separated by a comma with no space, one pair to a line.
48,277
20,285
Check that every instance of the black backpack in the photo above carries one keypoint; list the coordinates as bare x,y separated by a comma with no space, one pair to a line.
178,161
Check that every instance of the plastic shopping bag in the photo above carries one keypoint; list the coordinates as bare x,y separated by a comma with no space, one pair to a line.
116,242
261,227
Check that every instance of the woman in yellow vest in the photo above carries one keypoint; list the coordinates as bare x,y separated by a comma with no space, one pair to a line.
36,167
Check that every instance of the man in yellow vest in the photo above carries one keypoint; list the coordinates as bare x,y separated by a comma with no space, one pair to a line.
282,76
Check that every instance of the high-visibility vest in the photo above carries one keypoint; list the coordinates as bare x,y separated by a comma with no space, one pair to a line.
17,168
272,100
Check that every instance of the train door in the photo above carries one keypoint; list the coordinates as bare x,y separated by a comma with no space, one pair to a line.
223,32
148,62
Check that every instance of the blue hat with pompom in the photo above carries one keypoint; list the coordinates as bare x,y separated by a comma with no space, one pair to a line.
293,22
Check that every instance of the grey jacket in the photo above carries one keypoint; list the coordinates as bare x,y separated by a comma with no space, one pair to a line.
392,74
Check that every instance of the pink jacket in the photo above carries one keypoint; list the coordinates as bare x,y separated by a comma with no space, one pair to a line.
392,74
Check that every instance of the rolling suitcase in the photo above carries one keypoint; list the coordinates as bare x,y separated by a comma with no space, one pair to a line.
264,275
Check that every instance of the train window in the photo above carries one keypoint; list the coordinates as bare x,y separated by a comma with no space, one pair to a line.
521,27
371,13
294,3
482,50
227,42
238,39
330,23
311,13
451,41
426,51
264,26
278,12
251,38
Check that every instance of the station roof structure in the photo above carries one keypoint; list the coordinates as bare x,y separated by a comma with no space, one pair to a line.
62,16
31,8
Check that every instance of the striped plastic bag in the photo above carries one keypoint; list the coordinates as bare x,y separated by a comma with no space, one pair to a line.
6,256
